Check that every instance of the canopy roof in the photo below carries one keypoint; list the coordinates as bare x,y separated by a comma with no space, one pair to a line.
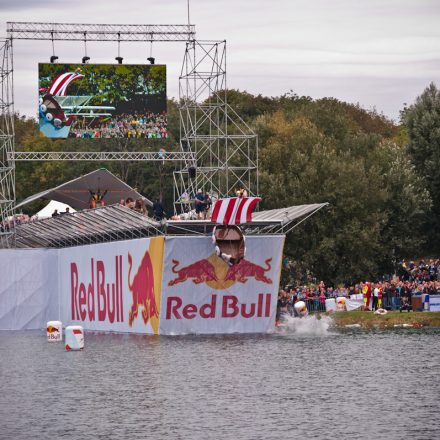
117,222
88,226
77,192
272,221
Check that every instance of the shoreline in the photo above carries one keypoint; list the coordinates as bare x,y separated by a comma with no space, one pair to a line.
368,320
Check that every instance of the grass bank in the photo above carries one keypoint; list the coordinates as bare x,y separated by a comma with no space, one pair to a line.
370,320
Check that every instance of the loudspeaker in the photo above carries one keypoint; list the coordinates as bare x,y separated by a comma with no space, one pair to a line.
192,172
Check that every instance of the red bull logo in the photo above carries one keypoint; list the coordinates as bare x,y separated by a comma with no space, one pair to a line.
52,329
230,307
142,289
219,275
98,299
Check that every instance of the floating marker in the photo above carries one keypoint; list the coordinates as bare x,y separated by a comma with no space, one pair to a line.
54,331
340,303
74,337
330,305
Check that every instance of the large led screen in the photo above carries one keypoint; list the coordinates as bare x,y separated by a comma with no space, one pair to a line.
102,100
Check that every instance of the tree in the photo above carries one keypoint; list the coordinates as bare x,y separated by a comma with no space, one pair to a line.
376,199
422,120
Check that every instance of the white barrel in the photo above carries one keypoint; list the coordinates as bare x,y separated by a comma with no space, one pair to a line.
301,308
54,331
426,302
74,337
340,304
330,305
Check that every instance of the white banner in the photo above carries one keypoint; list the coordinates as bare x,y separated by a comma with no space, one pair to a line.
434,303
112,286
202,294
354,302
121,287
28,288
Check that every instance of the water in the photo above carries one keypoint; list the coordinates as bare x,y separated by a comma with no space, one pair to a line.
324,385
308,326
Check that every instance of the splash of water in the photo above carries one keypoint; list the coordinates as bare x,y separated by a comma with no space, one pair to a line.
309,326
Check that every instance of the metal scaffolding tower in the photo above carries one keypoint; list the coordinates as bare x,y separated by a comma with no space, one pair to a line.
225,146
7,171
219,152
68,32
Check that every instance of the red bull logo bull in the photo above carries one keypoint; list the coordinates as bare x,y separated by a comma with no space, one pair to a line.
219,275
52,329
245,269
142,289
201,271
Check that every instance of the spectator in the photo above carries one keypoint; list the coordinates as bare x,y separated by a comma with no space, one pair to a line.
129,203
200,204
207,205
158,211
138,125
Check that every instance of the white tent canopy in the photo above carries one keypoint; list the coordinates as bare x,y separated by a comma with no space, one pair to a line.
48,210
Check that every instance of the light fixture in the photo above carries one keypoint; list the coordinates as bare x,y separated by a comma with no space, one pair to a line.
119,59
85,59
53,58
151,60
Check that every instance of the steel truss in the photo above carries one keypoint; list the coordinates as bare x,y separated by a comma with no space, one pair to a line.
214,141
7,170
100,32
225,146
66,32
99,156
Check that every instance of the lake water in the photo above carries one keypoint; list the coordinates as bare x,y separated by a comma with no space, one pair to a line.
308,383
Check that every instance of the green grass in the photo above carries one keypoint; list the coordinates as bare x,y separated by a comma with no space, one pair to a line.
370,320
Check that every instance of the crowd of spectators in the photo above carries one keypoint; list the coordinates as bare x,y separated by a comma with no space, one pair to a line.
411,279
137,205
18,219
148,125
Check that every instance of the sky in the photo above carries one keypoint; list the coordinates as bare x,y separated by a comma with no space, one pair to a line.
378,53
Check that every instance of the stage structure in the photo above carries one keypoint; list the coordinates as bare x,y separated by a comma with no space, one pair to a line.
7,169
225,146
219,152
102,156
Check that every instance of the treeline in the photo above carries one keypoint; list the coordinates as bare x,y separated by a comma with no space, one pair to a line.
382,179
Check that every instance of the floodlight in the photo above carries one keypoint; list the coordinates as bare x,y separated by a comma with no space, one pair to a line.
85,59
151,60
53,58
119,59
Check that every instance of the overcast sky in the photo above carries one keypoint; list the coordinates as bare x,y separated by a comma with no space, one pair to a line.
380,53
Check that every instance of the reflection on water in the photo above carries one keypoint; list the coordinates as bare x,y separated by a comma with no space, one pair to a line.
350,384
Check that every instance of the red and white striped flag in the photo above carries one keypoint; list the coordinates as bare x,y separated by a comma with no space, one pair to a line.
61,82
234,211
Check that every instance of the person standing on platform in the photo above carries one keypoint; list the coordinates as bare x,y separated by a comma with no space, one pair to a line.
159,213
207,205
200,205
